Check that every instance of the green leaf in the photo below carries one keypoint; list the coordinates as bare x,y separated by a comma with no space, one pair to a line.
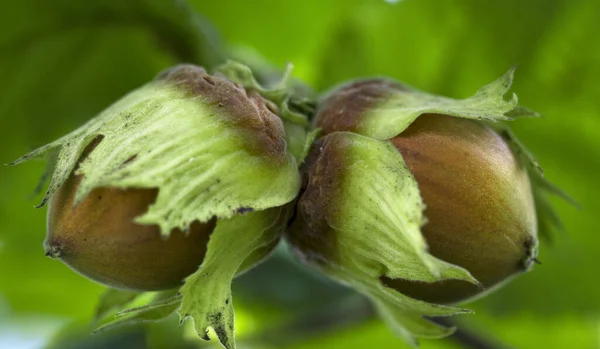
173,23
406,324
113,299
405,315
401,107
163,305
232,247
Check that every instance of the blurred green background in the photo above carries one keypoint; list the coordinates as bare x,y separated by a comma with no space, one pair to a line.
61,62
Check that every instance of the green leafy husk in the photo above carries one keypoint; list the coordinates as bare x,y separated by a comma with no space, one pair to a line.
400,108
372,214
159,137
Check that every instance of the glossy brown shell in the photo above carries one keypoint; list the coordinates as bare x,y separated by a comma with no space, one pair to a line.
479,206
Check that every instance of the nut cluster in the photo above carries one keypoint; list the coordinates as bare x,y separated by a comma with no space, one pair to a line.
417,201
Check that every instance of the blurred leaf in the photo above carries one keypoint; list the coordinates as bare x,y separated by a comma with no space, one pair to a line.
281,31
529,330
77,336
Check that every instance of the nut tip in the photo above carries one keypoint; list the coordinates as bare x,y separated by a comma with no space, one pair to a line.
53,251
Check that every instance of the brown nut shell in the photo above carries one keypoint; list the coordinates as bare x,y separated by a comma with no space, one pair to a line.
98,238
479,206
